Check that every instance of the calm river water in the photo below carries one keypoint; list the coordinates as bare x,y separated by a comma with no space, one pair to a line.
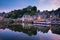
30,32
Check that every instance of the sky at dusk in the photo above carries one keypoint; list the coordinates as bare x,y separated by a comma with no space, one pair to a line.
8,5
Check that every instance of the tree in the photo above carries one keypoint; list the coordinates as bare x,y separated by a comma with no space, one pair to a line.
19,13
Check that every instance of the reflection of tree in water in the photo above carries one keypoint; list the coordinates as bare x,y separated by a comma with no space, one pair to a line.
27,28
30,31
56,29
44,29
3,26
19,28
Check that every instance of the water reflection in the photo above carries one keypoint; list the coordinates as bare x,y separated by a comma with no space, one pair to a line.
56,29
26,31
19,28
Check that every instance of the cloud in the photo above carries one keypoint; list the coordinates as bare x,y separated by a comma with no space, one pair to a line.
55,2
41,1
49,4
3,10
51,1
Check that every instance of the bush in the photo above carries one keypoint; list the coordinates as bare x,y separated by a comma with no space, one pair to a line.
11,21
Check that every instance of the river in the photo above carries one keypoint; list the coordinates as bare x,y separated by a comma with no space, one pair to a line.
30,32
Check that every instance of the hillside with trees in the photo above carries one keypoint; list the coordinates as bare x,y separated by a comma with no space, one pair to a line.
19,13
31,10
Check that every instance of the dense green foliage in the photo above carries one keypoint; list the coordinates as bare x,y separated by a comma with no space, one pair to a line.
11,21
31,11
19,13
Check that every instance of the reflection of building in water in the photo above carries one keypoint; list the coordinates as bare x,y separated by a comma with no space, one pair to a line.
26,25
1,18
22,25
